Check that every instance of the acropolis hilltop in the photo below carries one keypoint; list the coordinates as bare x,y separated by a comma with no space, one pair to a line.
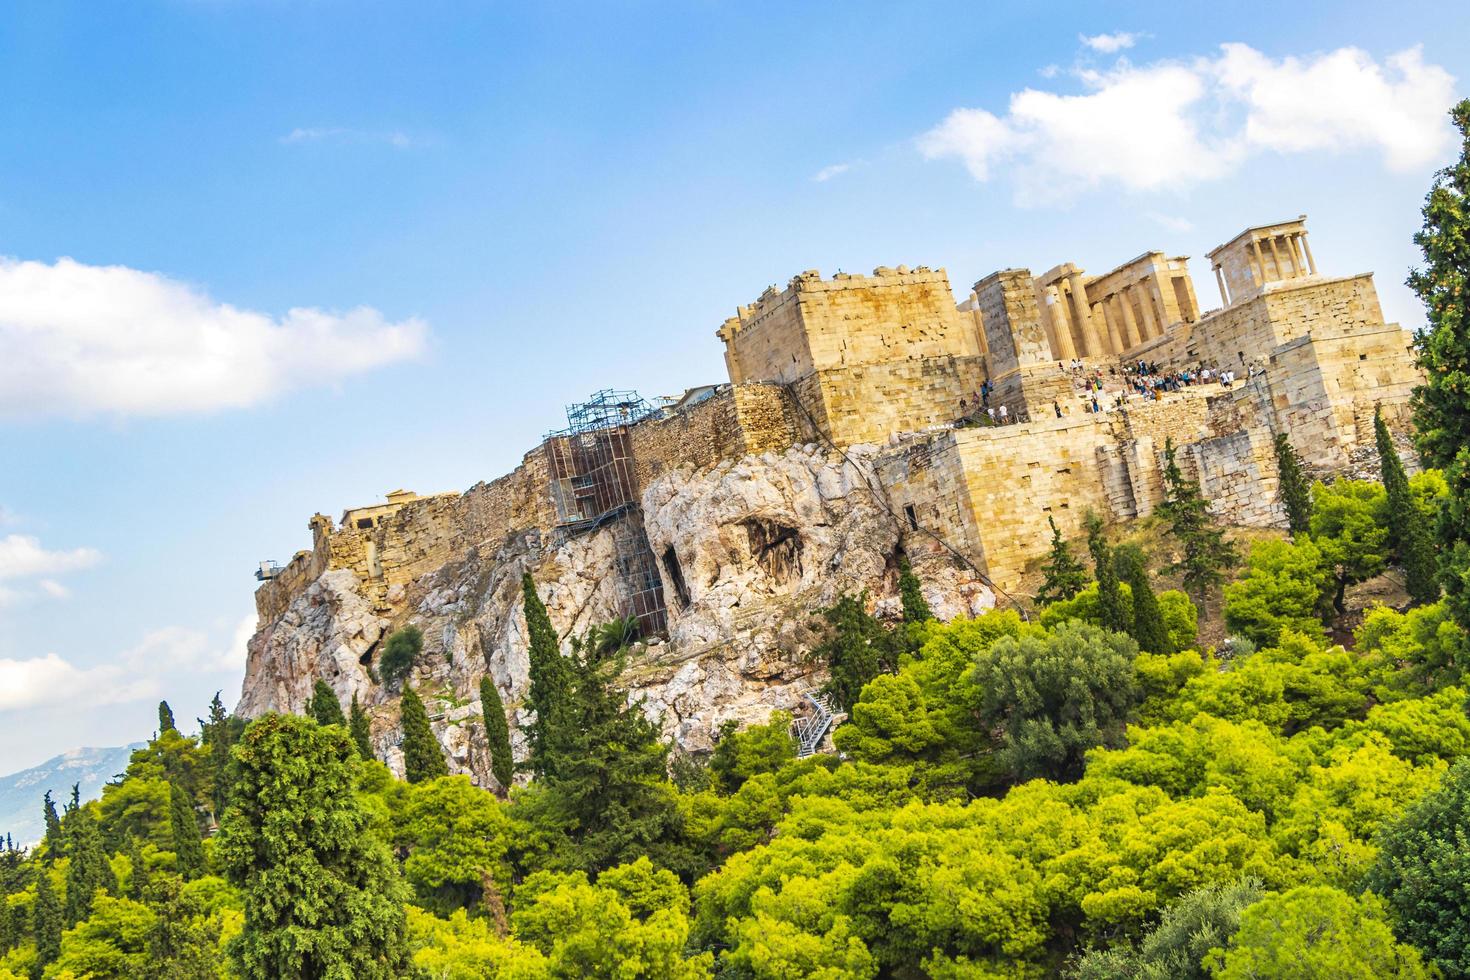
868,417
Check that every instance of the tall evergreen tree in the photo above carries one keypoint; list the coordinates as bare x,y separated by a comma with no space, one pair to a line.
1206,553
422,757
1405,523
1109,596
46,921
550,676
87,869
1442,403
321,895
1148,620
324,706
360,729
54,840
137,869
856,649
608,783
219,736
915,606
1064,574
497,733
165,718
1296,492
188,848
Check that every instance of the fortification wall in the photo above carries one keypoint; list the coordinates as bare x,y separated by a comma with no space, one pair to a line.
870,403
736,420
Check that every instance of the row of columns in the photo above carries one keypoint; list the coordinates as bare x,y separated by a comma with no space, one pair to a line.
1075,324
1292,245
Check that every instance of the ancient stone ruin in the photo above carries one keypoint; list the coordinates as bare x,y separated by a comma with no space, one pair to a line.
866,418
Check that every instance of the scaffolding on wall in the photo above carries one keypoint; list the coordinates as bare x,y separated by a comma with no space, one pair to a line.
593,484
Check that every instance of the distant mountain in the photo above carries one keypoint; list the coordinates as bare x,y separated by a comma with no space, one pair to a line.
21,793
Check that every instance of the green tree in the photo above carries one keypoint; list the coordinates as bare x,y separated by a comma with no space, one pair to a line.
1110,600
399,653
183,942
423,759
46,919
1296,496
1054,697
54,842
1410,536
320,893
456,837
1423,871
760,748
915,606
550,676
323,705
1148,619
111,942
165,718
1442,403
188,847
87,870
1064,574
137,869
1284,587
497,733
1204,919
219,734
604,797
1206,554
856,649
1350,529
1312,932
360,730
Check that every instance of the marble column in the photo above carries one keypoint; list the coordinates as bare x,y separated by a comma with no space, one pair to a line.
1152,328
1065,349
1276,258
1101,314
1131,334
1220,281
1308,249
1091,342
1260,260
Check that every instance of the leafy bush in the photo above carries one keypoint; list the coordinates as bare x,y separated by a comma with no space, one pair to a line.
399,653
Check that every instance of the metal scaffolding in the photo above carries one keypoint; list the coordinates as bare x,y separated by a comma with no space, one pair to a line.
593,484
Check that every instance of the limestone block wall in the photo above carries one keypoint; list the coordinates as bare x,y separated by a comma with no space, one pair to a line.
1015,335
734,421
870,403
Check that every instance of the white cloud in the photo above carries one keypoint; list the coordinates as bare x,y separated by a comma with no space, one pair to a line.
1109,43
827,173
22,556
147,670
54,589
343,134
1171,124
83,340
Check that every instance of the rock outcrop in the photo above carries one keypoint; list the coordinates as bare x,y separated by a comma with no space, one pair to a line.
748,549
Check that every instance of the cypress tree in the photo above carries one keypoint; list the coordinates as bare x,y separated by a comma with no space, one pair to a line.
324,706
88,868
138,870
1148,620
1207,554
165,718
1296,494
1064,574
915,607
497,733
54,841
1442,403
550,677
321,895
218,734
188,848
360,730
1109,596
1405,523
46,920
422,758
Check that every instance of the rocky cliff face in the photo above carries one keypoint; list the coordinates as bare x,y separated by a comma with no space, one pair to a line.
747,549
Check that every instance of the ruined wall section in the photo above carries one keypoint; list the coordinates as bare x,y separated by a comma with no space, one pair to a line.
734,421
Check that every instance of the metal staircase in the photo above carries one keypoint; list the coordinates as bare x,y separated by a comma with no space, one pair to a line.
810,729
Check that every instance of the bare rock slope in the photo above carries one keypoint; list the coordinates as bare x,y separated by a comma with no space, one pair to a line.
747,550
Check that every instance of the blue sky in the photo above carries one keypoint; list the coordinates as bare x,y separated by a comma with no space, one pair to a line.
481,212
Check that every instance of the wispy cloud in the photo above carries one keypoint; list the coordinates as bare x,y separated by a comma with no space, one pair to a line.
1169,221
827,173
82,340
1109,43
1170,124
22,556
345,134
